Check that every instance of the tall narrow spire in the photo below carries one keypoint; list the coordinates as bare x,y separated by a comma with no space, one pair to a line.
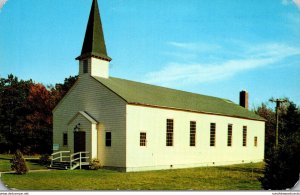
94,44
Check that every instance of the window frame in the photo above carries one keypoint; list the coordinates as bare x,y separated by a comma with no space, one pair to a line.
143,139
255,141
245,136
65,139
170,132
108,141
229,135
193,130
213,132
85,66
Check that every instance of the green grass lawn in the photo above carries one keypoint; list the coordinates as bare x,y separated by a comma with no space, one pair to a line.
32,162
235,177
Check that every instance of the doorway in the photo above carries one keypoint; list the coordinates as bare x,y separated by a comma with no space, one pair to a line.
79,141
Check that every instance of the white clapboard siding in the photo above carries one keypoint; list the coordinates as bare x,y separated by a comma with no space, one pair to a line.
105,107
156,155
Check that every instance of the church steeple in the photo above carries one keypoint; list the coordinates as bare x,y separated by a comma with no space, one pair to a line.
94,44
93,57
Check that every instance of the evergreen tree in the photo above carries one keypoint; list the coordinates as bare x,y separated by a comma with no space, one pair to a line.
18,163
13,94
60,90
270,125
282,163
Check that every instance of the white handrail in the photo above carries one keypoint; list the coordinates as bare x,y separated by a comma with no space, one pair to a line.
59,152
76,159
62,155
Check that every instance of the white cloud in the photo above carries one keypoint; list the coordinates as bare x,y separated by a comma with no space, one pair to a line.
2,2
255,56
289,2
189,52
297,2
292,23
285,2
196,47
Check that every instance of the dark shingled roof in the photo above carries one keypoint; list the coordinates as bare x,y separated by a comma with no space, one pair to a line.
94,44
151,95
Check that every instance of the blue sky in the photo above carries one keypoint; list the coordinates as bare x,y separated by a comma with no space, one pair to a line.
211,47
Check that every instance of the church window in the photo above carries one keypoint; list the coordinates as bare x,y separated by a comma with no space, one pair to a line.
170,126
85,66
108,139
192,133
212,134
229,135
65,139
244,135
143,138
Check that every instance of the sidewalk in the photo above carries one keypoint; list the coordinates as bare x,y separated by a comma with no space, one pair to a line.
297,186
2,186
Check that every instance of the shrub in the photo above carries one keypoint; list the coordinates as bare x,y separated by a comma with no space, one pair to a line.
95,164
18,163
282,167
44,159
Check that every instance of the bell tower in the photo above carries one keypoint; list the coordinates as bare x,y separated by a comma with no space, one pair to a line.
93,59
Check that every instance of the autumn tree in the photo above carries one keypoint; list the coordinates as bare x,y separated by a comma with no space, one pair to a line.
26,114
38,122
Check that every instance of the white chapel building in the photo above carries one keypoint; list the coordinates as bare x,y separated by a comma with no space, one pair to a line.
133,126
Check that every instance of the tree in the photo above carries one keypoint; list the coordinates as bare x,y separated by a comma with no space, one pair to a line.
290,120
269,115
18,163
13,94
60,90
38,122
282,166
26,114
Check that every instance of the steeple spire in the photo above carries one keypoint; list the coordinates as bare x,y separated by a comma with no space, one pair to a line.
94,44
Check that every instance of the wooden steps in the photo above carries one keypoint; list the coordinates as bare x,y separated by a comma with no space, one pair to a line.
61,165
